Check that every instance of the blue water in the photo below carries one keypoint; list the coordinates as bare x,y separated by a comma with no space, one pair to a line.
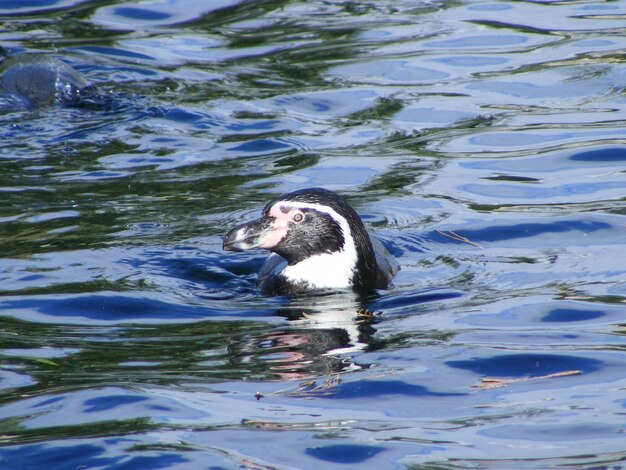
483,142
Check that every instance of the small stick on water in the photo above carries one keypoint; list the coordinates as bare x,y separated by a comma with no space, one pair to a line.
458,238
488,383
332,380
363,315
311,388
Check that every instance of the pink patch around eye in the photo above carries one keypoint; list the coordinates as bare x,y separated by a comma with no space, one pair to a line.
280,227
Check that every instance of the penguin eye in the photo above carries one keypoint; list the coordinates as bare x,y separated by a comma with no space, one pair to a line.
298,217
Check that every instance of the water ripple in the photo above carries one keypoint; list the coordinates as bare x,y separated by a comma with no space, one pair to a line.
482,143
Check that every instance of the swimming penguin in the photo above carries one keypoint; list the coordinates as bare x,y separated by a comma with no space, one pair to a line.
42,80
319,242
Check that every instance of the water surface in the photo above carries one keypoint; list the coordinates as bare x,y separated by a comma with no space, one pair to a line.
482,142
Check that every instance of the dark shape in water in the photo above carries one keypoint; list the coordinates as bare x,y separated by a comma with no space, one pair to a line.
42,80
522,365
610,154
344,453
571,315
385,388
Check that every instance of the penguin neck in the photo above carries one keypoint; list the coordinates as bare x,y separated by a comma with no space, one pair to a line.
325,270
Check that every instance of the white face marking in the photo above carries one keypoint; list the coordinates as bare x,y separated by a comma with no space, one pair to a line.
240,235
326,270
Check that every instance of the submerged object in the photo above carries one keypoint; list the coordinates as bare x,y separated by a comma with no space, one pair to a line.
319,242
42,80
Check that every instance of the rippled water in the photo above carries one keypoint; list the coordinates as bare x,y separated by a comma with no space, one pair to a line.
483,142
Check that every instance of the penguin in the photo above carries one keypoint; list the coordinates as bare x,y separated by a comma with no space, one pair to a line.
318,241
41,80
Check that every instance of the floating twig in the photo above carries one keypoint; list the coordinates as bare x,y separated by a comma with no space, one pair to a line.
310,387
511,404
458,238
488,383
363,315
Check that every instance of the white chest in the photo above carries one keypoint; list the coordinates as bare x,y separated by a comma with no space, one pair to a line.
334,270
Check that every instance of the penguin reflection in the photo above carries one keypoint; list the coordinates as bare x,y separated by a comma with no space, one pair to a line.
323,332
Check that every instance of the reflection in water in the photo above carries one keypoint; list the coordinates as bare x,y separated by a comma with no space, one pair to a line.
323,330
343,310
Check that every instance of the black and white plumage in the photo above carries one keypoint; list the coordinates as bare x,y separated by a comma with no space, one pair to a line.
320,241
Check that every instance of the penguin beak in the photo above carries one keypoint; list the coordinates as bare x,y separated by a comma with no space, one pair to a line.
261,233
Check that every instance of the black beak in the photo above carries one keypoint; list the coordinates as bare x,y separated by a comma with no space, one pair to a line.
251,235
